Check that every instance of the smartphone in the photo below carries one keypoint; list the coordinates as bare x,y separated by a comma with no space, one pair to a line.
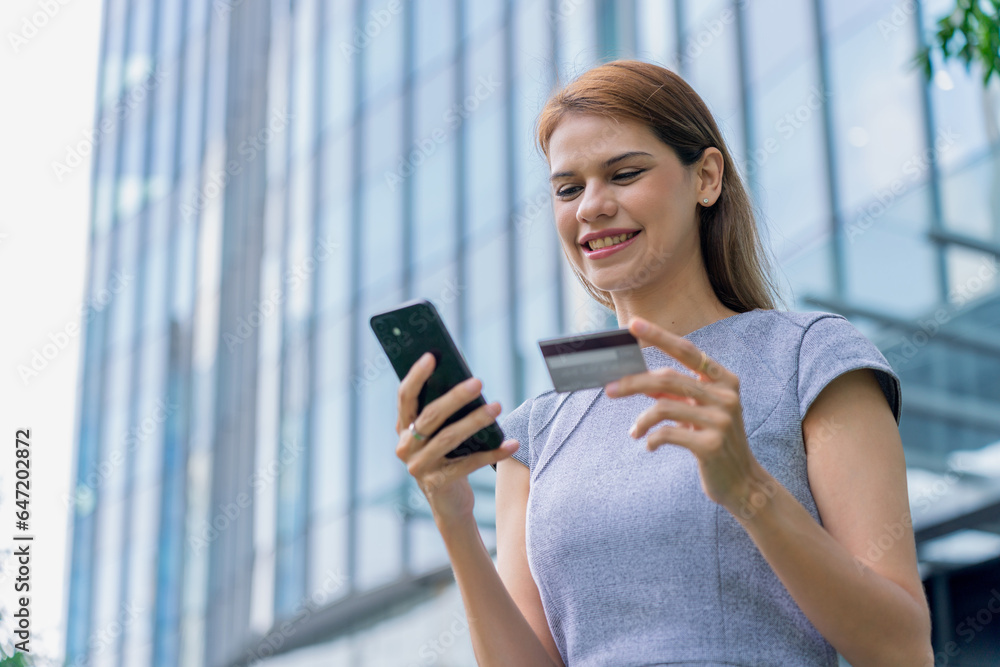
407,332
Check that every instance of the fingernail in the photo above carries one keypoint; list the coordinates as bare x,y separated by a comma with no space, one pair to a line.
469,384
641,326
425,358
494,409
632,431
611,388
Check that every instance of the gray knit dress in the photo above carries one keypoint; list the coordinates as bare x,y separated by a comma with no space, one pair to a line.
634,564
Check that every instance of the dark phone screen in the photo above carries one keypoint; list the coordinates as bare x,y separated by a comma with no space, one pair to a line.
412,329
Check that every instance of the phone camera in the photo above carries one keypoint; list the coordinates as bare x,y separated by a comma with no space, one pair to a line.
396,331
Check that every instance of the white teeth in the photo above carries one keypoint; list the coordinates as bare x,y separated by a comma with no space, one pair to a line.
596,244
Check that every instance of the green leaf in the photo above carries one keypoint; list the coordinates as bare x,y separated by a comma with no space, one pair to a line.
970,33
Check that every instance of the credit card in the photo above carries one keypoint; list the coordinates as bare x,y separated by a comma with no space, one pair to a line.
583,361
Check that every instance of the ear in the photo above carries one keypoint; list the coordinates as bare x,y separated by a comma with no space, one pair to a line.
708,174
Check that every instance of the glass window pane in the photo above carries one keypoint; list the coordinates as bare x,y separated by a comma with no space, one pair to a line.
330,463
328,579
776,46
381,230
710,59
382,51
482,111
428,552
434,177
901,281
304,78
380,469
194,69
788,164
434,31
657,31
482,17
972,275
879,133
340,56
379,545
966,210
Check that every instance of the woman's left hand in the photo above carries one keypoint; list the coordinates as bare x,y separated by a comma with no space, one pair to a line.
709,418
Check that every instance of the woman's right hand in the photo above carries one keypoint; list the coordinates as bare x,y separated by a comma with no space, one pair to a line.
444,481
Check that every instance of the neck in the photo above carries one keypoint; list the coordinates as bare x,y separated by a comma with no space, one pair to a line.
680,304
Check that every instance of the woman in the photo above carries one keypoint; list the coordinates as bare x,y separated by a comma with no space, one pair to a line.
746,540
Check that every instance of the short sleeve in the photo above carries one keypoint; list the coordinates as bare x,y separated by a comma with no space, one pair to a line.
832,346
515,427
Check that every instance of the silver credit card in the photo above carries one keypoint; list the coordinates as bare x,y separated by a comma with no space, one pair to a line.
593,359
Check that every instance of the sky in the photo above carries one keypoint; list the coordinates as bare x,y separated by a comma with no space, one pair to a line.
48,72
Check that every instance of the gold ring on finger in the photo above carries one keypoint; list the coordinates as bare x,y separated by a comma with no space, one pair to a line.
703,368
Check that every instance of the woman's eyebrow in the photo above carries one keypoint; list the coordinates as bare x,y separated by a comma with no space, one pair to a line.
607,163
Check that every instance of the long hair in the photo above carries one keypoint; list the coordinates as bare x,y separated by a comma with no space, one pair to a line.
738,266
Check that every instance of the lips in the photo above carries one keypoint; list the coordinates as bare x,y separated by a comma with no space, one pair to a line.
613,231
607,250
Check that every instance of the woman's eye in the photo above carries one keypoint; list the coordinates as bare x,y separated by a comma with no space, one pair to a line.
624,176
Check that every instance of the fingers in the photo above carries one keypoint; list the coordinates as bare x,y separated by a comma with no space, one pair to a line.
466,465
683,350
429,456
696,441
440,410
409,389
673,384
698,416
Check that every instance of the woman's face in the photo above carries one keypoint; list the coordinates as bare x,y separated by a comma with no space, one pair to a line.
611,178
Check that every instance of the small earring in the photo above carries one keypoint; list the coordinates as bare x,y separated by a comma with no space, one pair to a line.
704,201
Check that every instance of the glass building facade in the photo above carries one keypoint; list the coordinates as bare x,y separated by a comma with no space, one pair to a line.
269,174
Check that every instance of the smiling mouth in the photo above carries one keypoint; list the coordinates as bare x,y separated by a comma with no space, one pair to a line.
607,241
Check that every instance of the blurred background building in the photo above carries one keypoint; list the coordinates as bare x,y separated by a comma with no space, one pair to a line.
266,175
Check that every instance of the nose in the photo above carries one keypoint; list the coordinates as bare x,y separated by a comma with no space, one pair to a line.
597,200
